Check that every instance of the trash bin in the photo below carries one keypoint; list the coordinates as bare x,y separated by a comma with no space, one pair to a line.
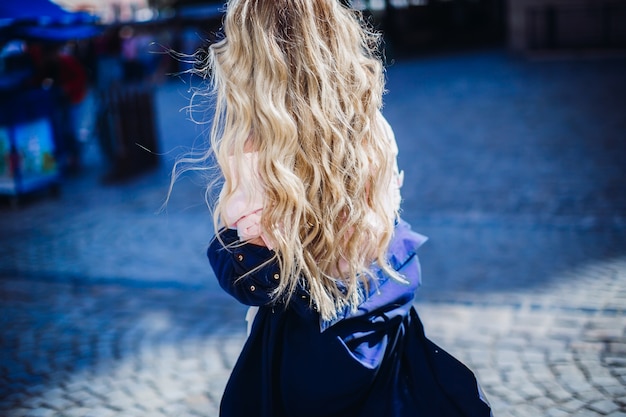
126,129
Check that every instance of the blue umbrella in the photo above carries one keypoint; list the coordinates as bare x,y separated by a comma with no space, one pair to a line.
43,20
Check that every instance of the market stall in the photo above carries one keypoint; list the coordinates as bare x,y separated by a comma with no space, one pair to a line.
32,97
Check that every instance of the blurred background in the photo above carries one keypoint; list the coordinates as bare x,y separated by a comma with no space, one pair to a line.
70,69
510,117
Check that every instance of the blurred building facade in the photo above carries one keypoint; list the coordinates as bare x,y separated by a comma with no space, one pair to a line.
544,25
409,25
110,11
414,25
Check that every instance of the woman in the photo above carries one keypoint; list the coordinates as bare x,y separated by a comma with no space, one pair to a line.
308,227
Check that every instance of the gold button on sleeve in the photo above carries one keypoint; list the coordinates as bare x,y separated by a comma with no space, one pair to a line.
276,276
240,257
252,288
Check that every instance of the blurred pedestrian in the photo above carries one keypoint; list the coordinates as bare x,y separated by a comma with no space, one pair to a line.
309,232
64,75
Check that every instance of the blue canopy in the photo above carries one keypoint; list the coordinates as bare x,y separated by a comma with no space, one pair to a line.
43,20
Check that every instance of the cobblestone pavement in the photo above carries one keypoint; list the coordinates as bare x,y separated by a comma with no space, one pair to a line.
515,169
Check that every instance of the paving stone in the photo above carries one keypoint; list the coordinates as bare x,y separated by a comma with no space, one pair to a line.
556,392
539,372
120,399
58,403
615,361
504,412
544,402
81,396
149,399
199,403
101,412
507,357
613,389
529,391
533,356
40,412
75,412
555,412
598,373
92,402
586,413
603,406
73,386
581,388
572,405
174,410
589,396
526,410
33,402
17,412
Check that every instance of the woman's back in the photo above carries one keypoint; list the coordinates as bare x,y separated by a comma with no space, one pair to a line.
299,82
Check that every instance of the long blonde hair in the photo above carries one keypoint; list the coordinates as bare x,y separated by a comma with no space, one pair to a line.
301,82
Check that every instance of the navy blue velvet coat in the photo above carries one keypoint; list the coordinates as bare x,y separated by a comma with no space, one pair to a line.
375,362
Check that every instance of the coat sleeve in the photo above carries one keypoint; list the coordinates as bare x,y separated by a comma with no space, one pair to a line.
392,297
232,263
389,297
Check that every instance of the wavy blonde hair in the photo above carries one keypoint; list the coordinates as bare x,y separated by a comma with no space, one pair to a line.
301,82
